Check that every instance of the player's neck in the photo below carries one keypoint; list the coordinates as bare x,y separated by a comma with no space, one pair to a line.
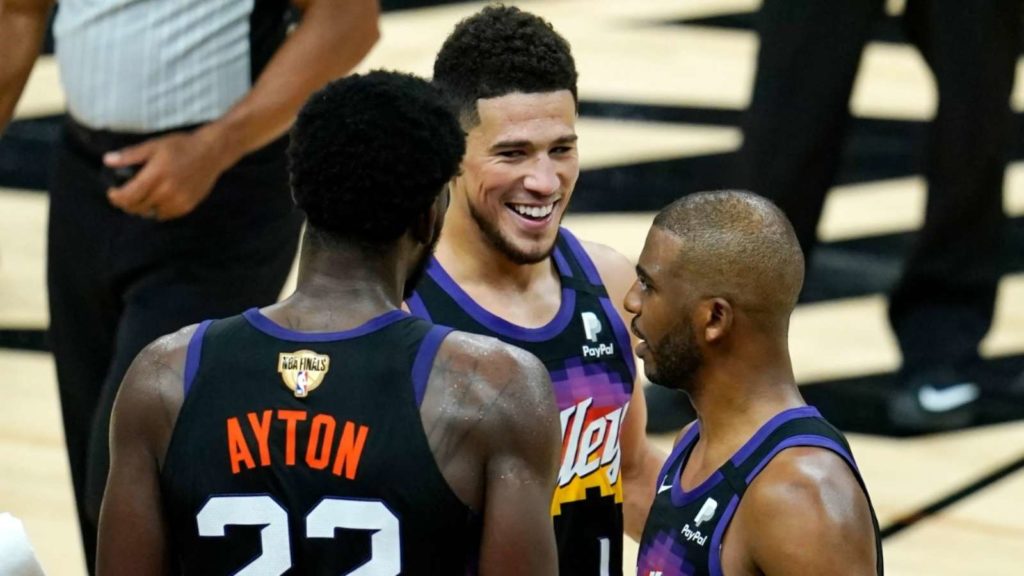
470,258
355,286
738,397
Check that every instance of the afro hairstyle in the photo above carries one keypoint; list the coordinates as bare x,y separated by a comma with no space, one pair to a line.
370,153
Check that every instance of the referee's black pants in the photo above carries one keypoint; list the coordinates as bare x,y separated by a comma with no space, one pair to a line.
810,50
117,282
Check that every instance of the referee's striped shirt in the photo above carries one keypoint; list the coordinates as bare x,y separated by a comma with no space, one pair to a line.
148,65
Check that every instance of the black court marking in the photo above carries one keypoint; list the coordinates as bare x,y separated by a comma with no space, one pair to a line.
902,523
887,29
32,340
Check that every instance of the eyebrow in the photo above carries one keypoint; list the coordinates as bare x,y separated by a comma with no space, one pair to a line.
571,138
641,273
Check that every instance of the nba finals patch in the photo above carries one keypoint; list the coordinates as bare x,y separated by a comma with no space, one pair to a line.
302,371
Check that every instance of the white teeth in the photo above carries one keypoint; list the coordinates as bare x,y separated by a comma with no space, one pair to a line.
533,211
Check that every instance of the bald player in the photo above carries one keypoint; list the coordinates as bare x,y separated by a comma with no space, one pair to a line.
760,483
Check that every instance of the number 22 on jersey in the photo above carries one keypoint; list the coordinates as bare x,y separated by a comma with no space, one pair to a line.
331,513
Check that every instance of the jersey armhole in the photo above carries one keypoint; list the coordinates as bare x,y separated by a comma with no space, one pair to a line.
193,354
425,360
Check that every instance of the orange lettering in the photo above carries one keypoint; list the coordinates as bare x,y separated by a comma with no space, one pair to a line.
261,429
326,423
350,448
290,417
238,450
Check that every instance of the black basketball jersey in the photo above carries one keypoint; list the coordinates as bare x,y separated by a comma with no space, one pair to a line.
683,535
304,453
587,351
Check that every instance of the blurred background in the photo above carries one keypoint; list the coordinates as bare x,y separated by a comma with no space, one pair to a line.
665,91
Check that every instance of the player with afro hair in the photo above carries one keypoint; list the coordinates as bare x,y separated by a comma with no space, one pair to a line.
365,177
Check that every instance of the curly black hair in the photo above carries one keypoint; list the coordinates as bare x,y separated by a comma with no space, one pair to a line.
369,153
502,50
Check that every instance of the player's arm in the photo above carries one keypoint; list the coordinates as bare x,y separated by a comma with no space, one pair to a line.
522,432
805,515
641,462
22,25
132,531
180,169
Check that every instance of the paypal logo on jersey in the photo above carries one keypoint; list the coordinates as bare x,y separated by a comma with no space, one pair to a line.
591,325
691,535
591,328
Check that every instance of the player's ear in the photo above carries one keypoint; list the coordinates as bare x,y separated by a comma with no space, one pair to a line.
427,226
718,317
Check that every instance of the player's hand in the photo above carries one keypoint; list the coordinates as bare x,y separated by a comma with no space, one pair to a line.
177,172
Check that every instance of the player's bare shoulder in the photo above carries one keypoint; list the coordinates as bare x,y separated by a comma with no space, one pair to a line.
152,391
487,401
498,381
809,512
616,270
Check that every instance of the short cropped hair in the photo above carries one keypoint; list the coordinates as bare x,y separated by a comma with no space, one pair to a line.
369,153
502,50
740,246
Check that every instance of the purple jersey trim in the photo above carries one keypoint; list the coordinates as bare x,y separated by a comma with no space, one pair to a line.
680,496
582,257
715,551
267,326
671,461
562,263
425,360
417,307
497,324
803,440
619,327
192,354
771,426
715,563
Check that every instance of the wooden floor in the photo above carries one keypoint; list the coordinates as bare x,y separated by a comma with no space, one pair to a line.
624,55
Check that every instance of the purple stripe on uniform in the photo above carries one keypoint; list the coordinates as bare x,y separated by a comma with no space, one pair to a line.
619,327
582,257
769,427
676,453
562,264
681,497
267,326
500,325
417,307
192,354
803,440
425,360
715,556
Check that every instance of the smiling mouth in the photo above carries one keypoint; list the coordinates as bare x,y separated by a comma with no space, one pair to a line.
533,212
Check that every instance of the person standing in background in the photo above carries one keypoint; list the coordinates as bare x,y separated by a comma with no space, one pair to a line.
169,202
944,302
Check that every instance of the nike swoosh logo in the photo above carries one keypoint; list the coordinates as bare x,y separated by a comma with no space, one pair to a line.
949,398
664,486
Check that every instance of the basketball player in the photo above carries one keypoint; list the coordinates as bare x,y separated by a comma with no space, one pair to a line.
506,269
408,443
760,483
